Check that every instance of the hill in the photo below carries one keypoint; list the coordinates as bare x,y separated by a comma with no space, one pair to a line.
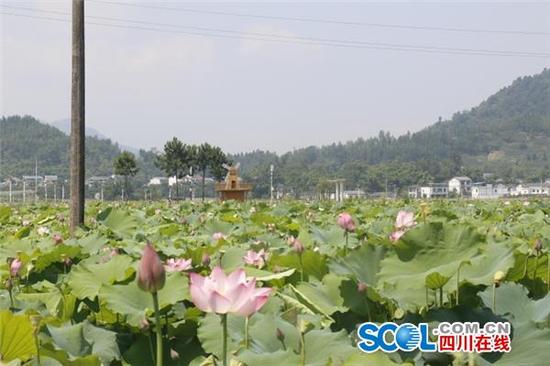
507,135
25,139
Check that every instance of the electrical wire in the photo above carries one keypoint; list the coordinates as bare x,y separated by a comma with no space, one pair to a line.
326,21
218,33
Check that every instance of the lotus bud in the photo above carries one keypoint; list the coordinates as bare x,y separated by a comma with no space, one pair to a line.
499,277
15,267
280,335
174,355
151,273
35,322
8,284
345,221
57,239
205,260
67,261
362,287
538,247
297,246
144,325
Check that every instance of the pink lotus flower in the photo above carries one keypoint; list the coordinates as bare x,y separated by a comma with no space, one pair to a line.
223,294
151,274
346,222
404,219
396,235
218,236
177,265
403,222
15,266
257,259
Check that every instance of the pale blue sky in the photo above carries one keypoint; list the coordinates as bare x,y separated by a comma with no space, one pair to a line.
144,87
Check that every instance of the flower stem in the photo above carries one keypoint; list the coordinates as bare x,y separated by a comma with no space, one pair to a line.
224,327
458,287
441,297
151,347
368,310
158,327
347,240
536,267
246,335
11,300
301,267
548,272
37,344
427,301
494,297
302,349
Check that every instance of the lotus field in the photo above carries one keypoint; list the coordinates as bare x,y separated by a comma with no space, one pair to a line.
267,285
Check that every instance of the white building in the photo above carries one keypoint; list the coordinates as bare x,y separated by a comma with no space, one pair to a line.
157,181
461,186
489,191
531,189
358,193
431,190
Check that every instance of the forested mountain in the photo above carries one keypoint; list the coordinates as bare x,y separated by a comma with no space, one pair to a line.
507,135
25,139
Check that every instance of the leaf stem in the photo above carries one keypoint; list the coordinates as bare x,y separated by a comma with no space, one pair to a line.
158,327
346,234
427,301
494,297
224,330
536,267
37,344
458,287
302,349
246,335
301,267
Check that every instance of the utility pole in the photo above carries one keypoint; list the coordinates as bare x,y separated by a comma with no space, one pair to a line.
35,179
271,169
77,161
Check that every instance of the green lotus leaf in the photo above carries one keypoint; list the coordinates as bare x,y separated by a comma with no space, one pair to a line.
121,222
363,264
86,280
5,214
429,248
435,280
84,339
530,341
322,296
16,337
129,300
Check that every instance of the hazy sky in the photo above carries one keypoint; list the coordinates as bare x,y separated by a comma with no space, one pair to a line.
143,86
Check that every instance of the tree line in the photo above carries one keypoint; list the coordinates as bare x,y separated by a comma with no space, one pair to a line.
178,160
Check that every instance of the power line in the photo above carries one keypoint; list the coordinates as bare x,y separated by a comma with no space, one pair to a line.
213,32
327,21
291,38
